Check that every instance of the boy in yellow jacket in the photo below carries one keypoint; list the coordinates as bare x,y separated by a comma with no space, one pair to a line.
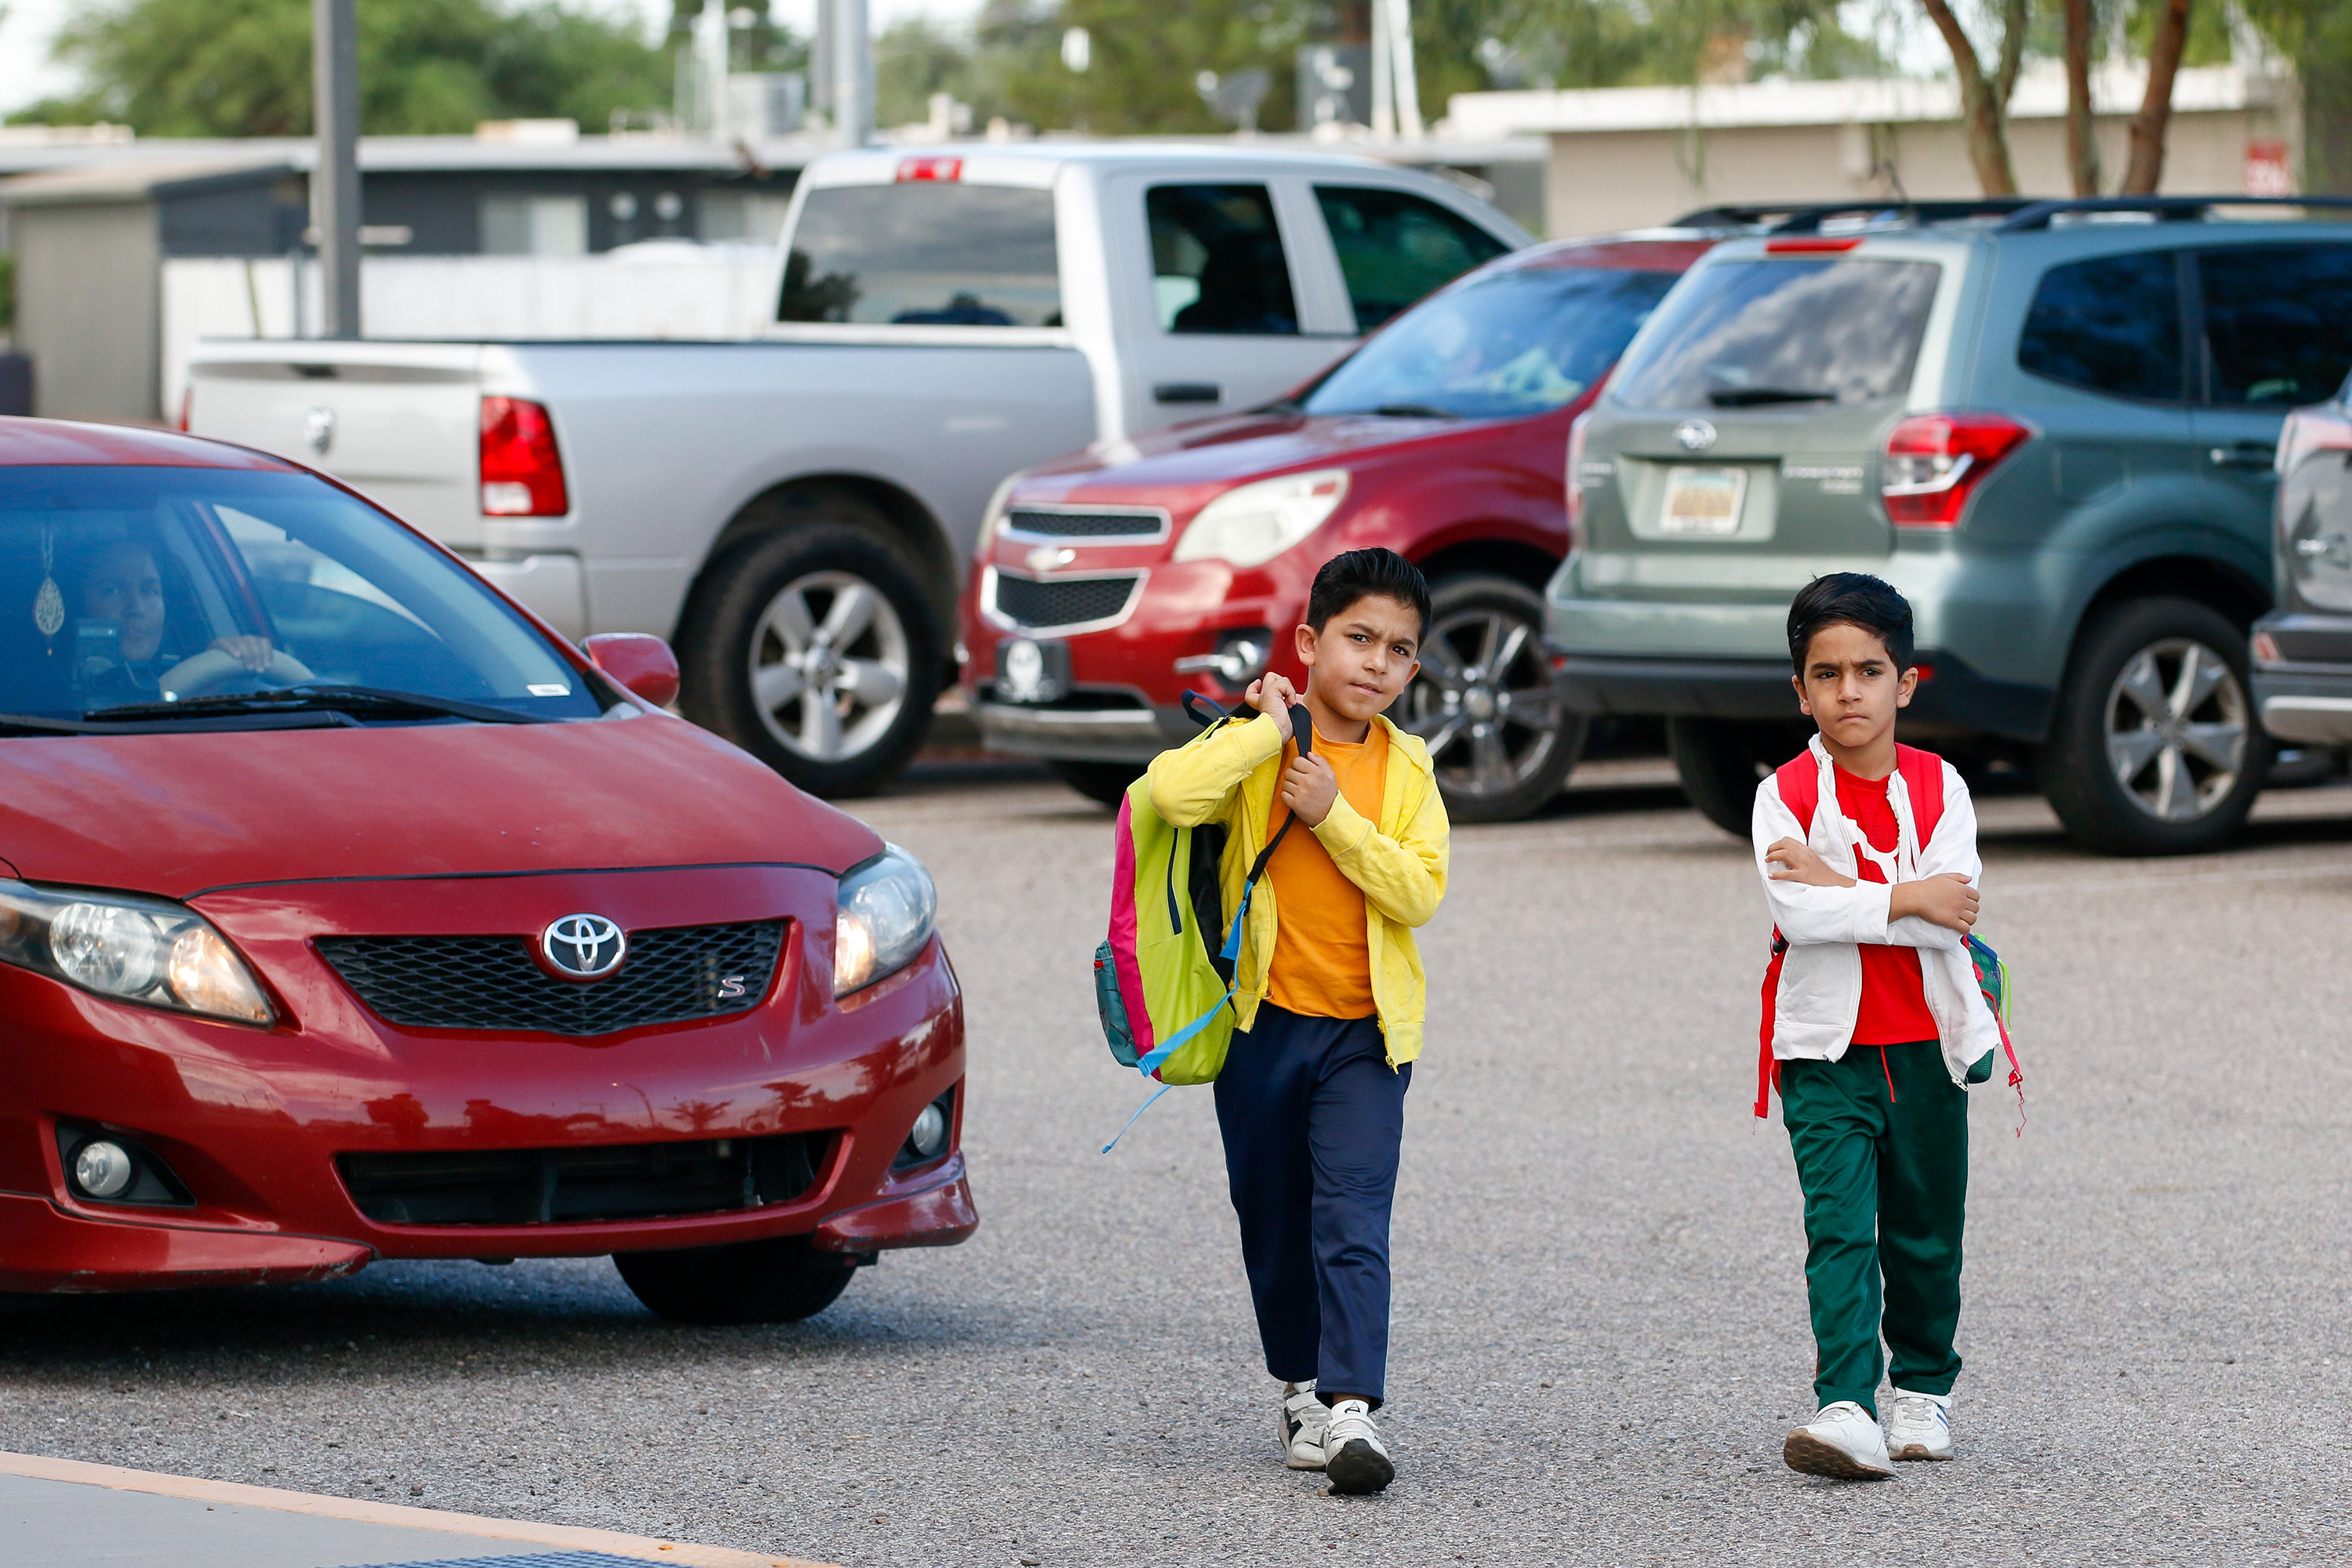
1327,990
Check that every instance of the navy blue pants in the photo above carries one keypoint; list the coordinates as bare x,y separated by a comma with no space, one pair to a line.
1312,1118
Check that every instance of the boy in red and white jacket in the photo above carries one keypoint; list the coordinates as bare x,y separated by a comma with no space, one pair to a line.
1874,1025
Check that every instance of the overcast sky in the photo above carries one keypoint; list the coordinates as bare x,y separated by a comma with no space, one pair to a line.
26,29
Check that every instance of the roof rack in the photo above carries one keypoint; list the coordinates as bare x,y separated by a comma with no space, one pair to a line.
2166,209
1807,217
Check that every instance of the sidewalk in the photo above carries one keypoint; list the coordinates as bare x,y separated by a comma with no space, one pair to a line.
61,1513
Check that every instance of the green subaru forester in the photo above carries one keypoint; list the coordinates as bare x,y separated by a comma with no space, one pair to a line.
2051,428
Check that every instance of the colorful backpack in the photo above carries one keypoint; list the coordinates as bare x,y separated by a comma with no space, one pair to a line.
1164,976
1800,783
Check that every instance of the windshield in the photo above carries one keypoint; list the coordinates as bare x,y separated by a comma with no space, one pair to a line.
122,587
1753,333
1519,341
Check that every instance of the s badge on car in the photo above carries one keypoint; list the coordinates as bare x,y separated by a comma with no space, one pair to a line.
319,429
1693,435
583,947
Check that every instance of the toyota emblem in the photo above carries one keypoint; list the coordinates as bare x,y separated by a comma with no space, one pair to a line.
1693,435
583,947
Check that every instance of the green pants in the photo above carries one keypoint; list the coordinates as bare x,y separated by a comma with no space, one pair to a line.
1882,1145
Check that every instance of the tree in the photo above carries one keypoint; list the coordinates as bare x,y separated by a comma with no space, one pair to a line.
1984,100
2155,116
2082,141
242,68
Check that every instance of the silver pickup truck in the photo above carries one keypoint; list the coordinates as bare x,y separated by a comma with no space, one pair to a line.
794,512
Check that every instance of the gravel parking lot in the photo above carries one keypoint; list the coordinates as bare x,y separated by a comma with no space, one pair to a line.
1601,1325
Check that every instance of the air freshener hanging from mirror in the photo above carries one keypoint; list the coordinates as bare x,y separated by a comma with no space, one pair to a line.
49,605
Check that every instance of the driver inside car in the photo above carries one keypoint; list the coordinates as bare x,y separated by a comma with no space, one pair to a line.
123,588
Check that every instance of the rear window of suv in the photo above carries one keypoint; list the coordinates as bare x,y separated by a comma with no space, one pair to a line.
1751,333
924,253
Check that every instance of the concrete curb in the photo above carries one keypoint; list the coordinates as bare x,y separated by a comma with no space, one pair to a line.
571,1537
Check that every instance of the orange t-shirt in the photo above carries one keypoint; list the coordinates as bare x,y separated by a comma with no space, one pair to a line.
1322,953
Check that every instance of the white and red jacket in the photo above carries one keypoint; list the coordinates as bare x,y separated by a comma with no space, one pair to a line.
1819,973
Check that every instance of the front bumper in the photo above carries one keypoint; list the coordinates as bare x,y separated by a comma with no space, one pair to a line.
1950,695
1129,734
258,1125
2306,695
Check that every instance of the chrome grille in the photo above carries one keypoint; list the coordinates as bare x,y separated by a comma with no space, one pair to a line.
1034,524
1041,604
671,976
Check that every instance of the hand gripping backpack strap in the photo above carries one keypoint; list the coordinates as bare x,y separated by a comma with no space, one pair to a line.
1800,783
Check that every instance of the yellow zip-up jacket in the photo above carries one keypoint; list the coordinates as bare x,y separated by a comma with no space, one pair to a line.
1230,773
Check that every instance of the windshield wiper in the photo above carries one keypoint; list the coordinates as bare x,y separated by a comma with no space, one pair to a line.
311,697
1414,411
1757,396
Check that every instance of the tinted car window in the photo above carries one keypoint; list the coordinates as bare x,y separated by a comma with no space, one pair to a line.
1394,248
924,253
2111,325
2278,323
1750,333
1520,341
120,586
1217,262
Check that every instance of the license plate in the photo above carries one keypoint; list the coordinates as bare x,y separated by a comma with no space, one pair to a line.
1703,500
1031,672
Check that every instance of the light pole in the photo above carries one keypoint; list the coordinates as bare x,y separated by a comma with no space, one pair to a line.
335,179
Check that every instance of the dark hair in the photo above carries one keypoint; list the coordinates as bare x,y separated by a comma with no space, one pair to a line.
1355,575
1850,599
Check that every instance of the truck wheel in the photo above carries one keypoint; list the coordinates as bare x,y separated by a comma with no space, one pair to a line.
815,650
1103,782
1501,742
2154,749
1721,760
778,1281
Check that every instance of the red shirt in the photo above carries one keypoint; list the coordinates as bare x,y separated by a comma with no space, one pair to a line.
1893,1007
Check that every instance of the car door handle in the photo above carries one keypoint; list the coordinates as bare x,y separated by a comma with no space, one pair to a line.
1187,392
2244,455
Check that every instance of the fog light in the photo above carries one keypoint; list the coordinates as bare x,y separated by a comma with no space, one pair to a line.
103,1169
931,1133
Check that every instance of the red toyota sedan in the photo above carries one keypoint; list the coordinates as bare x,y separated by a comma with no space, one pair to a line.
348,913
1108,581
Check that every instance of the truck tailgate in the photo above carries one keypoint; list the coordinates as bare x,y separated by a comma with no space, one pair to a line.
399,422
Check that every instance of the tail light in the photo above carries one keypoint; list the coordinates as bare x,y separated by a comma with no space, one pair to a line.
187,398
522,473
1936,461
2309,430
1576,478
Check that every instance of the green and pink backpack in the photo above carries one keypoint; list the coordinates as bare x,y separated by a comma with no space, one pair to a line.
1164,976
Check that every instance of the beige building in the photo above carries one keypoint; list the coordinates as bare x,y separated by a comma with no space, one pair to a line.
1634,157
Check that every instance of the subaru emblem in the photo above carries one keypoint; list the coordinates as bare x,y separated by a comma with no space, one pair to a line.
583,947
1693,435
319,429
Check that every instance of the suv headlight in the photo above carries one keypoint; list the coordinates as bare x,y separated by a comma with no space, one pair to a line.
881,920
148,950
1251,524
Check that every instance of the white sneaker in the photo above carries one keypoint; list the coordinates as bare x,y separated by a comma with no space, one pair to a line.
1304,1416
1842,1442
1920,1426
1352,1454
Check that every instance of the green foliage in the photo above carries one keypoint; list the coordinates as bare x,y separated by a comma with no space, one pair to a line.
242,68
7,291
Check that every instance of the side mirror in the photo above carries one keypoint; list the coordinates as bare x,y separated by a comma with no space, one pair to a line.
638,660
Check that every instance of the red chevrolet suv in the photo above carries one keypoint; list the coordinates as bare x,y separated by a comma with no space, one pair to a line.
348,913
1108,581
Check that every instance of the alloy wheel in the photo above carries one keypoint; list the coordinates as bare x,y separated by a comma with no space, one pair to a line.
1485,703
2177,728
829,666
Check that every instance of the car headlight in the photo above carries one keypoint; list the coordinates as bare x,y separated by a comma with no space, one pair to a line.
999,504
881,919
148,950
1252,524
